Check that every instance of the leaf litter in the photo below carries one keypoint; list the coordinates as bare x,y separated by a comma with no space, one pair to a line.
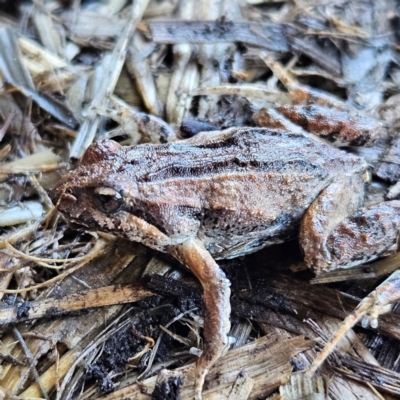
84,315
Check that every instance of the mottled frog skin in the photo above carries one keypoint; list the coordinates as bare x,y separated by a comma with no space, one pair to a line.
237,191
223,195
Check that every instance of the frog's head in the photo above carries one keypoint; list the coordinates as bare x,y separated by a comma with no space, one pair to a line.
102,192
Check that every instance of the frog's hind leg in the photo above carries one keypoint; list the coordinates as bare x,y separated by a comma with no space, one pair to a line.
342,197
387,293
216,288
369,233
369,309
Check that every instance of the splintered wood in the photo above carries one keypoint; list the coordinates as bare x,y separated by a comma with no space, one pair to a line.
249,372
109,295
85,316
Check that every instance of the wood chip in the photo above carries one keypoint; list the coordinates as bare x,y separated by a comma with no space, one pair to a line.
265,362
105,296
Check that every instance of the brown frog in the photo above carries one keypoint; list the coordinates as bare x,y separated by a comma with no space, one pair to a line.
224,194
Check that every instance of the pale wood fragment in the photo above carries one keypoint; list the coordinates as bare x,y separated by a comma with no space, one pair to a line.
379,268
19,214
104,296
112,65
242,387
301,387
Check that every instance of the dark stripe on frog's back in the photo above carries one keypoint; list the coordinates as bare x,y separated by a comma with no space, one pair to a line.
252,151
252,148
233,166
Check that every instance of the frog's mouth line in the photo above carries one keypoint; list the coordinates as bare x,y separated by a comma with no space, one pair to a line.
145,216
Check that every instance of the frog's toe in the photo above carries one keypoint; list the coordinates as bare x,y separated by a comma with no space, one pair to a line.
372,318
231,341
370,308
369,321
387,293
210,354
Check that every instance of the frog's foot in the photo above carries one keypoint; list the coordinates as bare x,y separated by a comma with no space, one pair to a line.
387,293
193,254
376,303
331,242
212,351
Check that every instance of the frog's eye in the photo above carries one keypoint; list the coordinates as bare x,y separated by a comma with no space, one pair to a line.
110,200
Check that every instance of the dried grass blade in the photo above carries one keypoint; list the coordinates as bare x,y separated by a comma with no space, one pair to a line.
112,66
29,356
15,73
98,250
266,35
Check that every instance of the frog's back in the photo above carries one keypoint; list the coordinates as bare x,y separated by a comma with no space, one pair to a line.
240,149
247,187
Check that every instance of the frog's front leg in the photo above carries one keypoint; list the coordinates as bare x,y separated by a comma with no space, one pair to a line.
216,288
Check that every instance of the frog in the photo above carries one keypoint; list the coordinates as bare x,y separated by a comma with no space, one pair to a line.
225,194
